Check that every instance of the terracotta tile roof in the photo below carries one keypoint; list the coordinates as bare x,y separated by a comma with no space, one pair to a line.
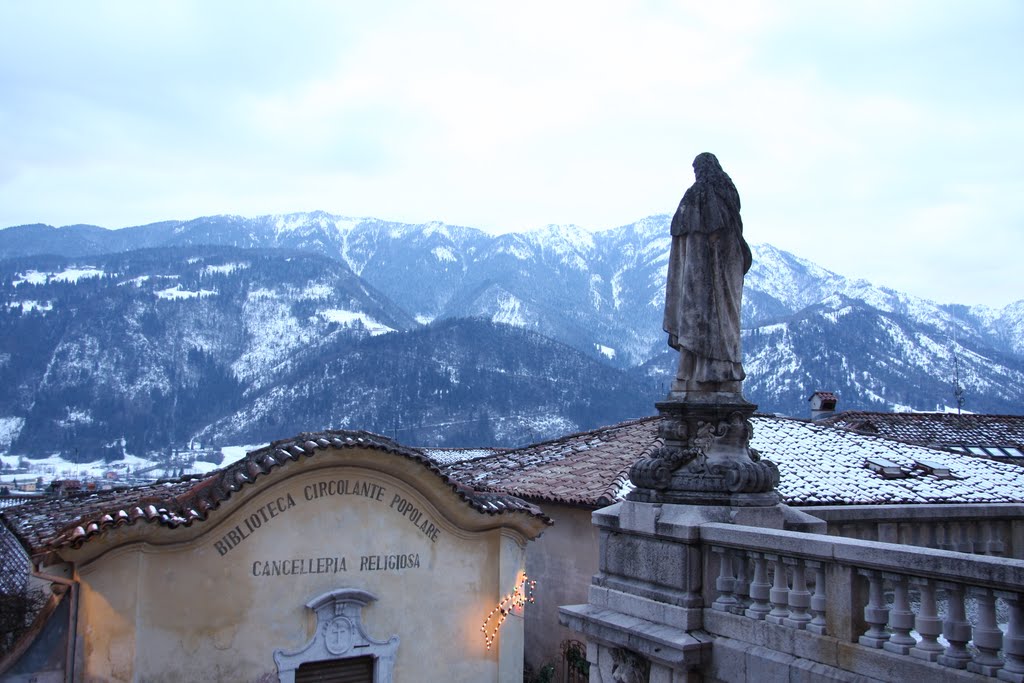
819,464
937,429
589,468
54,523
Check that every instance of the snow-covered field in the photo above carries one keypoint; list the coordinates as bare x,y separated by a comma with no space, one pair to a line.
56,467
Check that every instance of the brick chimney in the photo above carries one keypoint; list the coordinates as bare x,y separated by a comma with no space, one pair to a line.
823,404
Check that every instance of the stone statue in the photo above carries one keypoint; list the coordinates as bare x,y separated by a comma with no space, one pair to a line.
705,456
708,260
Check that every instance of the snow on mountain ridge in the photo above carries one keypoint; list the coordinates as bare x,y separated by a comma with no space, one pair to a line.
224,268
347,318
572,244
10,427
437,228
71,274
443,254
176,293
510,312
793,281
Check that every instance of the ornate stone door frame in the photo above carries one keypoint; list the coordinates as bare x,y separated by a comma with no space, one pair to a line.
340,635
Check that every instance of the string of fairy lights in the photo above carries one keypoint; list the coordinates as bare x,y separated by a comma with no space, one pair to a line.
518,598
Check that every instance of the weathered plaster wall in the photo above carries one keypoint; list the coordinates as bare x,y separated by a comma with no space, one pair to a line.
215,607
562,561
109,596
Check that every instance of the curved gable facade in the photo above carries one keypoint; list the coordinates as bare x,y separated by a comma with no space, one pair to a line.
236,590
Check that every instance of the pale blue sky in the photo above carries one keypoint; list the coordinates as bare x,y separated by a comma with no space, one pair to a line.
879,139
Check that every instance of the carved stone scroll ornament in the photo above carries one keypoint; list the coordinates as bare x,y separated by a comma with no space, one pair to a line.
340,634
655,471
705,451
747,477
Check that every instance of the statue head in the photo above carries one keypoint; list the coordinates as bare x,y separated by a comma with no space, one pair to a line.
706,165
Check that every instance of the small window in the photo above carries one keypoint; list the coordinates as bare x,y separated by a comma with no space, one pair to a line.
1004,451
352,670
887,468
933,468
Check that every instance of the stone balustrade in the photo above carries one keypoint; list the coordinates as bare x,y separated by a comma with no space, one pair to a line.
851,598
996,530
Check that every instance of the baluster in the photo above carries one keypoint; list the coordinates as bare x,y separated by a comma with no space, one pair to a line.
927,624
741,589
725,581
1013,641
979,545
988,639
799,597
1000,530
901,619
875,612
759,588
956,629
817,624
919,533
984,530
964,543
779,593
947,537
976,537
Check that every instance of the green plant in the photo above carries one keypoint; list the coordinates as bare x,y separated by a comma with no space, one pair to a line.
576,660
546,674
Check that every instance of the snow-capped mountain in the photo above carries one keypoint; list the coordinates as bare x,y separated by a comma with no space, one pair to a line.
153,342
110,330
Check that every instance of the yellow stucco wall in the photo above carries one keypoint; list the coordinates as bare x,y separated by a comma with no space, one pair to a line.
562,562
214,601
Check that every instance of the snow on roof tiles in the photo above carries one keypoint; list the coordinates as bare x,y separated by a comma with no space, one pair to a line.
450,456
819,465
53,523
824,465
937,429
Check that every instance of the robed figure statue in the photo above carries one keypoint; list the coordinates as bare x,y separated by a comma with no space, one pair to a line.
705,427
708,260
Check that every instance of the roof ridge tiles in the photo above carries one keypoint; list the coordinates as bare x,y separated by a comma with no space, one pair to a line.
183,501
546,445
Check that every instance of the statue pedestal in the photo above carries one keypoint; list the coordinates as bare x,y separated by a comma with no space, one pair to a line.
706,457
645,615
